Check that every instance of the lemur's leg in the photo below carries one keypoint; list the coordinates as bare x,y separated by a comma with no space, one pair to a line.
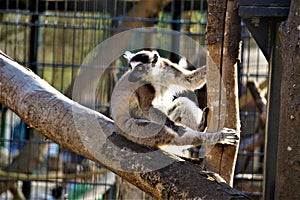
151,134
188,136
186,112
203,123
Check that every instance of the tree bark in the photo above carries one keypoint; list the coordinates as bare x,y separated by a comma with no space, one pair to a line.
73,126
223,38
288,164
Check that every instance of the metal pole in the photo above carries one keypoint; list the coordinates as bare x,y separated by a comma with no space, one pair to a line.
273,110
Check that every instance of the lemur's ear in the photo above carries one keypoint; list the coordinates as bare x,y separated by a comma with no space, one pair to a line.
183,63
128,55
154,57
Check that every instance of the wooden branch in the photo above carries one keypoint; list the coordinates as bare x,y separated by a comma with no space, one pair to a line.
51,176
223,37
88,133
246,98
12,186
260,101
287,182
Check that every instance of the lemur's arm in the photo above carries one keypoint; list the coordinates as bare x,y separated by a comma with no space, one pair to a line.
197,78
190,80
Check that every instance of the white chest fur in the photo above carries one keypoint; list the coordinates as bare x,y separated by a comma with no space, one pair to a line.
165,96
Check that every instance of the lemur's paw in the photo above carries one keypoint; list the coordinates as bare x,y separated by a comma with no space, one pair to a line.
228,136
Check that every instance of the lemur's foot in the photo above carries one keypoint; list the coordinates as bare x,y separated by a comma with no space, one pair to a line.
228,136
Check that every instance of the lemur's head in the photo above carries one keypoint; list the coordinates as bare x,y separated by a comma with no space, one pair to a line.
141,63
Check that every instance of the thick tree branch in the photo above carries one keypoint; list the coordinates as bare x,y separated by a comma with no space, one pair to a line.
91,134
287,182
223,37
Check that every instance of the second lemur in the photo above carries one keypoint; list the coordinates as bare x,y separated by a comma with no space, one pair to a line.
146,108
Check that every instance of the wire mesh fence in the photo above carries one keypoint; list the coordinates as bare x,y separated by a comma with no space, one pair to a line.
253,79
53,38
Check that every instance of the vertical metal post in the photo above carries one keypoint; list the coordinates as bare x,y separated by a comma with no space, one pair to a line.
33,49
273,110
175,45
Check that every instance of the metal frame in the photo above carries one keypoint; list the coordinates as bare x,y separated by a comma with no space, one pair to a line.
262,18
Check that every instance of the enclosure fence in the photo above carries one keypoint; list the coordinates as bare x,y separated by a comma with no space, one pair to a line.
53,38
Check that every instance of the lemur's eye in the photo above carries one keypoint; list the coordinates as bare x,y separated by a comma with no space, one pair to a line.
140,67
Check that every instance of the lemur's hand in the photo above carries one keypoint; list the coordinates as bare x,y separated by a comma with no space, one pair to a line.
228,136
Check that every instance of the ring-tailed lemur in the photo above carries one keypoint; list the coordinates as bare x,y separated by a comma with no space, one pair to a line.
146,112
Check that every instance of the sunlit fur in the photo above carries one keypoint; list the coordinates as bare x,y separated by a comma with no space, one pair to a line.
148,109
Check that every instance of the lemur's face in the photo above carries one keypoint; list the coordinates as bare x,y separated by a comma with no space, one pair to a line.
142,64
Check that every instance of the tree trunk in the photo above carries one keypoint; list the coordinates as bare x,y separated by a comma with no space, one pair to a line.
288,164
223,38
91,134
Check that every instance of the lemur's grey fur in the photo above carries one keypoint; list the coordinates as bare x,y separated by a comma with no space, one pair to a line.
146,110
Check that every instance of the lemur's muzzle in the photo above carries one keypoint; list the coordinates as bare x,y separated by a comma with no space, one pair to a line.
133,78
